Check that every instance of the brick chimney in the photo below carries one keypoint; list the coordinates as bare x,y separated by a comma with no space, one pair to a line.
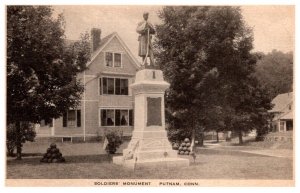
96,38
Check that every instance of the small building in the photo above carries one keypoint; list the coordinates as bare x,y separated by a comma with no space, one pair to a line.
282,113
107,101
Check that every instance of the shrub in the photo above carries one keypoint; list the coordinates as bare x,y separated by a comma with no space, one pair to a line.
261,133
27,132
115,139
98,136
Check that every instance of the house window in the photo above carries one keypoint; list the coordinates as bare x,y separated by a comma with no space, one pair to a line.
117,61
42,123
113,59
122,117
121,86
110,86
109,59
116,117
290,107
103,88
113,86
107,117
281,126
48,122
72,118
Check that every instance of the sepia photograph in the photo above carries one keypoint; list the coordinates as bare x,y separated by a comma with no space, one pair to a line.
149,95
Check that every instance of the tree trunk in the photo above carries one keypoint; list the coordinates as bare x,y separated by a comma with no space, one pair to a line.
18,140
10,149
201,139
193,140
217,137
241,138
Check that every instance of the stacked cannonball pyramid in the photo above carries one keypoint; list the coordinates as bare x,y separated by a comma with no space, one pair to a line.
185,147
53,155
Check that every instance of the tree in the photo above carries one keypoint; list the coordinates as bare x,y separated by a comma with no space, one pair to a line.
41,70
275,71
27,132
249,108
204,53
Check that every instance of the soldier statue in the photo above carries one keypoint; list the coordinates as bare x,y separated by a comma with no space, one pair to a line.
146,30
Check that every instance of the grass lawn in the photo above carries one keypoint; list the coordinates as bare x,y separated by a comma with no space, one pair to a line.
89,161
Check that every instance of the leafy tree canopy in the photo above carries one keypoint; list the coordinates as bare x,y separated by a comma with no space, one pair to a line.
275,71
204,53
41,70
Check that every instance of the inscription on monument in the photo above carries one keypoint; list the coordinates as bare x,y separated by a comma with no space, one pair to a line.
154,111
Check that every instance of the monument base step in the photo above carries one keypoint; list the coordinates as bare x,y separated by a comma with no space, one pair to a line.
153,154
165,162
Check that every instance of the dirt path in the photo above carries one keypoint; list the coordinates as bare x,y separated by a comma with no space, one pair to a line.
284,153
273,151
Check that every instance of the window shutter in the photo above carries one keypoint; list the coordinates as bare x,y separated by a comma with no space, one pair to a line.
131,117
78,118
65,119
103,117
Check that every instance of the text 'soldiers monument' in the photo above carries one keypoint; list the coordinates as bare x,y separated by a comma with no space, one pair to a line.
149,145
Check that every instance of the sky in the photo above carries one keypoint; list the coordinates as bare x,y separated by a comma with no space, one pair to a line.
273,26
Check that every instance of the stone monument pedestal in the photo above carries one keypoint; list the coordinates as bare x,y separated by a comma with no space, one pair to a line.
149,145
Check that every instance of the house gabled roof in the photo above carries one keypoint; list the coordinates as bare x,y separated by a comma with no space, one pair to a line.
105,41
281,101
287,116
